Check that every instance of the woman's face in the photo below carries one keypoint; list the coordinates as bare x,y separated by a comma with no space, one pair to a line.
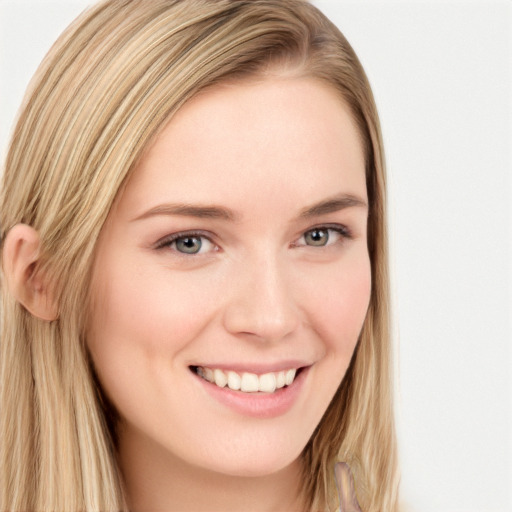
237,253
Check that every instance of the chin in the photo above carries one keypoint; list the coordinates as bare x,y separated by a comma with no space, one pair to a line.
259,462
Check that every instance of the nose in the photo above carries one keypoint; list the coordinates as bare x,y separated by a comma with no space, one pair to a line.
261,303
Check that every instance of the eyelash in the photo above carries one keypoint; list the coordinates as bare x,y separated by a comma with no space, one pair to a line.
340,229
168,241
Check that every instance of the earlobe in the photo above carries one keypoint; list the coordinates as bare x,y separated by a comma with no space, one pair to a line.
21,255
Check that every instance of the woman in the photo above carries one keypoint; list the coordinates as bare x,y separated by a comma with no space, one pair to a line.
195,304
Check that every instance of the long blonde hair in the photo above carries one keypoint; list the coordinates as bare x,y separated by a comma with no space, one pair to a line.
105,89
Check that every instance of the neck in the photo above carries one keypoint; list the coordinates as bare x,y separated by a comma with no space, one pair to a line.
157,480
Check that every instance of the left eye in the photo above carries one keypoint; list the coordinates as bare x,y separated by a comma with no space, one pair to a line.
189,244
320,237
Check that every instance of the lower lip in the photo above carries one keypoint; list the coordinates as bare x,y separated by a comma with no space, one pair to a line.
257,405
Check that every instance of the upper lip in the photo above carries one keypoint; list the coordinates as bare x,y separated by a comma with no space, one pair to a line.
257,368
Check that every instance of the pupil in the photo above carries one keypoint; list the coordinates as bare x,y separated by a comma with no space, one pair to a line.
317,237
189,245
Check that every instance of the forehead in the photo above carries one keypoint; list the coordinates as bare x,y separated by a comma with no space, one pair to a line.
274,137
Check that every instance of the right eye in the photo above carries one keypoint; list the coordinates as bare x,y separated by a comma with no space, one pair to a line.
187,244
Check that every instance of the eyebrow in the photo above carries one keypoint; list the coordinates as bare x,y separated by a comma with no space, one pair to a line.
330,205
189,210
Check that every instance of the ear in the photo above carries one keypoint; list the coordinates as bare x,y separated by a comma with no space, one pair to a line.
21,255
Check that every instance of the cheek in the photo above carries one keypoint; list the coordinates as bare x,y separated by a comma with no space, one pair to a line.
340,304
140,325
148,311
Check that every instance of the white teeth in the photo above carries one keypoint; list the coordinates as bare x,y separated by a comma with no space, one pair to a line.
268,382
290,375
208,374
234,381
220,378
248,382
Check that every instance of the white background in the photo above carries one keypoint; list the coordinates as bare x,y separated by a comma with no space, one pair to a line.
441,73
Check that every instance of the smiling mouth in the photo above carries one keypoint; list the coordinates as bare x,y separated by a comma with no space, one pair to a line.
248,382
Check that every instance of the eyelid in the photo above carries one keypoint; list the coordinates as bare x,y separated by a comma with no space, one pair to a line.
167,240
343,230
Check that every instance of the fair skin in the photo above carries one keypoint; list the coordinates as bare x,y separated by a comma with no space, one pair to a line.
238,244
